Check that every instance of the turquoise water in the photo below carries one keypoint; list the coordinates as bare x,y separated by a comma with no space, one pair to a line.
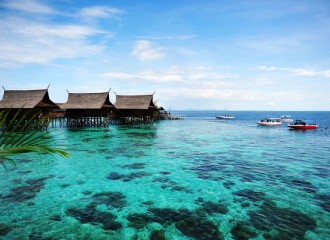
197,178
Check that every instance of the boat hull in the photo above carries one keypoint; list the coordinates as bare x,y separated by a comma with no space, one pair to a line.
270,124
303,127
225,118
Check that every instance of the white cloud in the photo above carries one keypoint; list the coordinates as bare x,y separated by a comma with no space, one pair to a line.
119,75
25,41
305,72
194,76
271,104
49,31
145,51
265,68
150,76
174,37
326,73
264,81
29,6
99,12
26,37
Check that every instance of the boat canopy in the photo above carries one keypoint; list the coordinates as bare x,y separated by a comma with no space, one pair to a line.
272,118
305,121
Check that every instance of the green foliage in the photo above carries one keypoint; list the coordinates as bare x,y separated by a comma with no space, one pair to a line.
19,134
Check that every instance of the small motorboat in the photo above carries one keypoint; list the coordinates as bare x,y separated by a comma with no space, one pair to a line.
226,117
270,122
303,125
286,118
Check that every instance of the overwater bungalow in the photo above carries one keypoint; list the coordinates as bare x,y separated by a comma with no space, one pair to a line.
28,103
88,109
135,109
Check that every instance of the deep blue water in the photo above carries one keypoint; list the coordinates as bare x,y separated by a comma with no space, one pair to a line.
197,178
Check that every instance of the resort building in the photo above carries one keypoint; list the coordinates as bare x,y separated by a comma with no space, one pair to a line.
135,109
28,103
88,109
36,100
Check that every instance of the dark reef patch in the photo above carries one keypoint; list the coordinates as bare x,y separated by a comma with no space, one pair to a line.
304,185
110,199
157,235
134,166
193,224
56,218
287,223
181,189
324,201
17,181
115,176
163,180
323,171
197,228
147,203
36,235
80,182
90,214
172,185
144,135
242,232
248,194
212,207
94,217
139,220
245,204
228,184
127,177
119,150
27,192
5,229
87,192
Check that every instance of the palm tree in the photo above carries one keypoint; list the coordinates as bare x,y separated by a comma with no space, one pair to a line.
18,135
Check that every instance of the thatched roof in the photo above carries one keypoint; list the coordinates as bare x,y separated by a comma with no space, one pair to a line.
143,102
27,99
88,101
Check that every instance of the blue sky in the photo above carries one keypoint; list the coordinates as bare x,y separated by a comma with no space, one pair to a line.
236,55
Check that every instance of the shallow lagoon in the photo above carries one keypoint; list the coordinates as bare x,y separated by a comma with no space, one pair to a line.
198,178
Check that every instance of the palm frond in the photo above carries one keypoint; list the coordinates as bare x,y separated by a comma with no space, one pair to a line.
19,136
7,160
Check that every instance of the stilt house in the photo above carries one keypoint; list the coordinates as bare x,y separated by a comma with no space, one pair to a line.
36,101
88,109
31,103
135,108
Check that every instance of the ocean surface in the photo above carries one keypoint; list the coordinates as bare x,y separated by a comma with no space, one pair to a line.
197,178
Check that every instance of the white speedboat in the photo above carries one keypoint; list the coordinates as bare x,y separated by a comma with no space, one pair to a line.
270,122
226,117
286,118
